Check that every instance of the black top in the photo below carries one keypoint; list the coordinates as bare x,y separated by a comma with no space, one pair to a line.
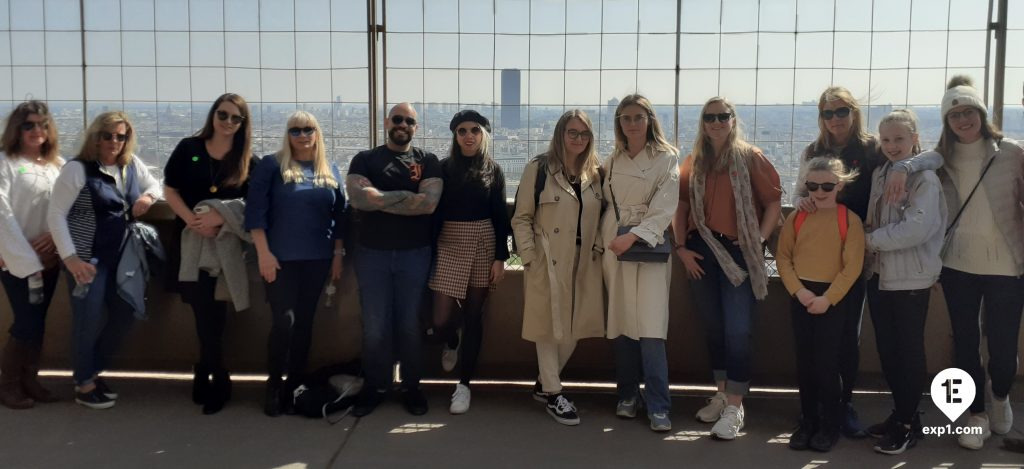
393,171
865,158
577,187
469,200
192,172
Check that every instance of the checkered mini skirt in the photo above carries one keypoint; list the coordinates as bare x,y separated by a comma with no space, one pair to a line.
465,252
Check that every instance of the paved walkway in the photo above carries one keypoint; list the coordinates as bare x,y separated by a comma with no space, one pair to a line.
155,425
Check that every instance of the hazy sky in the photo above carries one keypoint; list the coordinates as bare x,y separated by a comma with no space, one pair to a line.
574,52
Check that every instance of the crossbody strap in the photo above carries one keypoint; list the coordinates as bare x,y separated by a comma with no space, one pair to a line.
952,225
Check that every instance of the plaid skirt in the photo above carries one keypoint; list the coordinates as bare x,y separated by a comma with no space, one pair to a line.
465,252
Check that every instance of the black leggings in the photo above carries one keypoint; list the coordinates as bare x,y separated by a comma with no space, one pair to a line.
472,327
899,318
293,298
211,316
818,350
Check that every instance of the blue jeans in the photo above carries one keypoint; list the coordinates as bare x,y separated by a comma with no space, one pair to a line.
95,336
727,314
391,285
649,354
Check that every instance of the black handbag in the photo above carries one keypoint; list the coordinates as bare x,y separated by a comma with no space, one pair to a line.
640,251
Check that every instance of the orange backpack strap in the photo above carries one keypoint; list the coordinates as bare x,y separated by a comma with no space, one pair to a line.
843,222
800,217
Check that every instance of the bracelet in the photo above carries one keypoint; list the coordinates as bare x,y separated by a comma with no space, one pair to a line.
678,247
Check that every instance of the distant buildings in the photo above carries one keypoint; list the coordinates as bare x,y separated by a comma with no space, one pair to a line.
510,99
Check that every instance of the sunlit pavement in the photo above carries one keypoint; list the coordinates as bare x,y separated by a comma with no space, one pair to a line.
155,425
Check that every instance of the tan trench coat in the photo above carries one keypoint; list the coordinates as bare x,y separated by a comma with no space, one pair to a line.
559,308
647,192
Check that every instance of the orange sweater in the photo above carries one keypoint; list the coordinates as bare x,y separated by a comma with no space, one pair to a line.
819,255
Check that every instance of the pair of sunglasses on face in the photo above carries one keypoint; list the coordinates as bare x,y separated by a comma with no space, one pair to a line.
235,118
462,131
397,120
108,136
722,117
825,186
296,131
840,113
29,126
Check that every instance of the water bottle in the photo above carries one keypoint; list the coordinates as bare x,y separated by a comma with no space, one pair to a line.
82,289
330,291
35,288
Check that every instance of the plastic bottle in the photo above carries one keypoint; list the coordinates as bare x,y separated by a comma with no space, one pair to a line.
330,291
35,288
82,289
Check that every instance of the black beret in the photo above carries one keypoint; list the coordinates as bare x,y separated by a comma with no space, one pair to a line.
469,115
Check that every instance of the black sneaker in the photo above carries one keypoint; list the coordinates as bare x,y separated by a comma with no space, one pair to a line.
414,401
538,393
824,440
272,398
367,401
897,440
562,410
851,426
879,430
101,385
801,438
94,399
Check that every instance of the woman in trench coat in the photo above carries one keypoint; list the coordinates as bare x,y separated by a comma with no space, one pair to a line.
642,187
560,246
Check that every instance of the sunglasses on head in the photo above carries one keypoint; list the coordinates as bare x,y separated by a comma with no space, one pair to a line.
108,136
825,186
722,117
840,113
462,131
296,131
397,120
235,118
29,126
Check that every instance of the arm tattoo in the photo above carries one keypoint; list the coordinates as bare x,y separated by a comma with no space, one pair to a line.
431,189
363,196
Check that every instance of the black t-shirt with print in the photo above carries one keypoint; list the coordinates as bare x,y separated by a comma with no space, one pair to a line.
388,171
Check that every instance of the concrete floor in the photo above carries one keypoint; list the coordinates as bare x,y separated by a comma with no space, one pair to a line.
155,425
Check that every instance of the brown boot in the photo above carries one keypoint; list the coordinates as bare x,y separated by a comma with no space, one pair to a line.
30,374
11,394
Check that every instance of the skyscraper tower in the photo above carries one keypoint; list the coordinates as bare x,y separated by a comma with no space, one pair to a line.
510,102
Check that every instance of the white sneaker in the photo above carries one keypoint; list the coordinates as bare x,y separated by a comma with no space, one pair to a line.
460,400
976,441
1001,416
729,424
450,357
713,409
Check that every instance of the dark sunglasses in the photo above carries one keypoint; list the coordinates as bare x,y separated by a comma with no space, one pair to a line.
825,186
397,120
577,135
112,136
296,131
235,118
29,126
722,117
462,131
840,113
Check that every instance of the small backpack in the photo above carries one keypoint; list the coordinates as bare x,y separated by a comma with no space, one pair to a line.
841,214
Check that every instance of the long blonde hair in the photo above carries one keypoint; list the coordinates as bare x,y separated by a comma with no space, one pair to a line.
655,137
823,144
105,123
704,158
587,163
290,170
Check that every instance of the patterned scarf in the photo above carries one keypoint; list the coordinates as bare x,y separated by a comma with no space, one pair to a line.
747,225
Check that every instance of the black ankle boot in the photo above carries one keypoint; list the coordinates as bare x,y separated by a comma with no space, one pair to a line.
200,383
272,402
219,394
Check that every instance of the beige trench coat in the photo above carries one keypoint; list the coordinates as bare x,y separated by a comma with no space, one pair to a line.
559,308
647,191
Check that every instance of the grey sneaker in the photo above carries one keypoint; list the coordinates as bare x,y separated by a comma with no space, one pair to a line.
713,409
729,424
972,440
627,409
450,356
660,422
460,400
1001,416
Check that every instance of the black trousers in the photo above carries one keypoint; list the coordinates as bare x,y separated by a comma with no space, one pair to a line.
29,320
849,355
211,316
293,298
899,318
818,347
1003,297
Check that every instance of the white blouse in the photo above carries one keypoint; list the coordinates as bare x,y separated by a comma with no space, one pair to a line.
25,189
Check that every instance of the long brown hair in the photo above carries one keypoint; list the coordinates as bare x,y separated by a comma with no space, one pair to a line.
103,123
823,144
236,163
948,139
10,143
704,158
655,137
587,163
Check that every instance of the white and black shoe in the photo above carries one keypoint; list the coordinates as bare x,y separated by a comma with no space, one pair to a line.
94,399
897,440
101,384
562,410
538,393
